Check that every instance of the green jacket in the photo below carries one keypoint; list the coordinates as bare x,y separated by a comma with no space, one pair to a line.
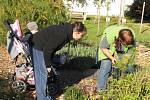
111,33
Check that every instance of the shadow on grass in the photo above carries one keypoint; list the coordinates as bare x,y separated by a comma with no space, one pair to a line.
80,63
75,70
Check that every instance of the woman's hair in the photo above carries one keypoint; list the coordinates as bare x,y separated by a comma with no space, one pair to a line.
79,27
129,32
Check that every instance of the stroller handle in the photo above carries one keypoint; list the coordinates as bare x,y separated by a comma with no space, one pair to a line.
8,26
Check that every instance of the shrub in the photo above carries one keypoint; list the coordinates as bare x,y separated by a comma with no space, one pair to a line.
74,93
135,10
44,12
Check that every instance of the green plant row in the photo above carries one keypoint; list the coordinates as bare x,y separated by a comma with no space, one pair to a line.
82,49
130,87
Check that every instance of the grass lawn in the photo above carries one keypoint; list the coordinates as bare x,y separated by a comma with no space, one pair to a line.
143,37
94,36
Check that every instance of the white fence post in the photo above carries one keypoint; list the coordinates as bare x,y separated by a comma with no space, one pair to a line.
142,17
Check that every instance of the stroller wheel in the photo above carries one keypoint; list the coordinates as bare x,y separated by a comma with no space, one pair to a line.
52,89
19,86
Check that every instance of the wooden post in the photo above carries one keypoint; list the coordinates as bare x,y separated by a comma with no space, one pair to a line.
142,17
107,7
72,1
98,15
84,15
123,6
120,15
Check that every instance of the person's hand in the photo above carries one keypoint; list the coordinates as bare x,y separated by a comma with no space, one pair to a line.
113,60
49,70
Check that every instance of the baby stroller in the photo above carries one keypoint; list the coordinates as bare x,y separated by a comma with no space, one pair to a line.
18,48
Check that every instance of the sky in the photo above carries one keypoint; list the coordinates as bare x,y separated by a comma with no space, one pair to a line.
92,10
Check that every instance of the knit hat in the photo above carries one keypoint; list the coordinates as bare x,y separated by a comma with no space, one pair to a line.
32,26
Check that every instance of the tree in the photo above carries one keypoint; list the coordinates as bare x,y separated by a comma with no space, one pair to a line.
82,2
135,10
44,12
97,3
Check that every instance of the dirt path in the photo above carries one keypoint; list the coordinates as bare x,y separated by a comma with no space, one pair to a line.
143,58
6,64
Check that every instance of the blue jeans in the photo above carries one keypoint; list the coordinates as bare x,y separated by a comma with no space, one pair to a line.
41,74
105,70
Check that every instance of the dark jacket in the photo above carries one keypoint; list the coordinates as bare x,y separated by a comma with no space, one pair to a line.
52,39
